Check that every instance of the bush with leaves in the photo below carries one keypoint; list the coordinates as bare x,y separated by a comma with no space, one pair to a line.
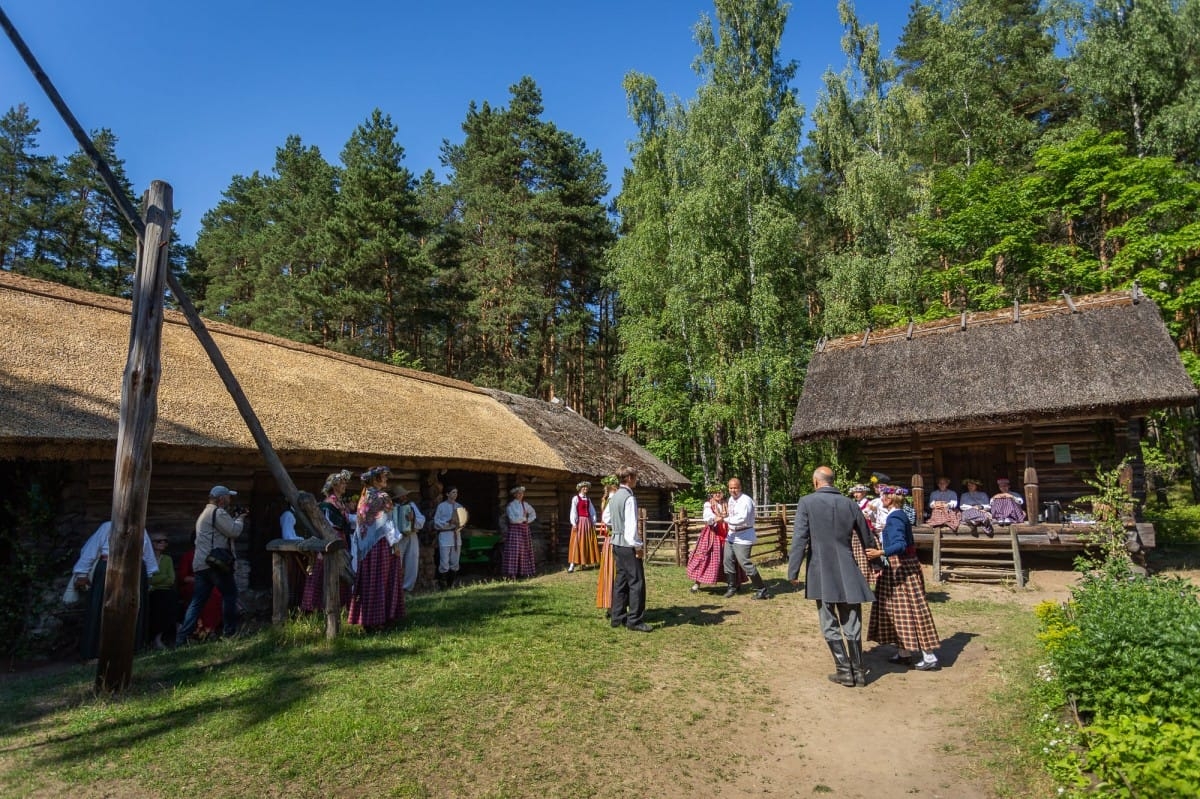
1133,647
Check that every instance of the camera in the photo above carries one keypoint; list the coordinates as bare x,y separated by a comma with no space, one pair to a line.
238,510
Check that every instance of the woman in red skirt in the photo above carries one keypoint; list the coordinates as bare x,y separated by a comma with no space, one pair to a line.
900,615
582,549
704,566
378,597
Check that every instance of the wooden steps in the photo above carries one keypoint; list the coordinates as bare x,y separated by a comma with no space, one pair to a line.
983,559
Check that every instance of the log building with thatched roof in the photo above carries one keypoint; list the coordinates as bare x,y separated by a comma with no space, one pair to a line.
61,369
1059,388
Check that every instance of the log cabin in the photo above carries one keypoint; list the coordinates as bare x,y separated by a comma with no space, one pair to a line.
60,393
1043,394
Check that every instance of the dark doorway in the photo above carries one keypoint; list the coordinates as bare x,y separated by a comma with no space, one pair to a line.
479,494
984,462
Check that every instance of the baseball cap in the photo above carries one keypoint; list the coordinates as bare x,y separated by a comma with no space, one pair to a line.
221,491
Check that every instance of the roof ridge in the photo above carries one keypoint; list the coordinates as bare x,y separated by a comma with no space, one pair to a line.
1042,310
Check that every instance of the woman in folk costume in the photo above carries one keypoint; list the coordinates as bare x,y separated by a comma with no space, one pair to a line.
333,507
1007,505
976,507
582,549
901,616
705,565
517,560
378,597
604,581
862,495
943,506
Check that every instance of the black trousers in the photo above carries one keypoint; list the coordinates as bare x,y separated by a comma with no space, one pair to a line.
629,587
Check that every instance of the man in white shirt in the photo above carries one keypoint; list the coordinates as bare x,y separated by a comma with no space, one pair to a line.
409,521
739,516
629,583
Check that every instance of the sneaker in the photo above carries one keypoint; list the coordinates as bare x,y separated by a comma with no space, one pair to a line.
570,568
695,587
928,665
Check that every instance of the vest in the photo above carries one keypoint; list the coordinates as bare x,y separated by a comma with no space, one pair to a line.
617,503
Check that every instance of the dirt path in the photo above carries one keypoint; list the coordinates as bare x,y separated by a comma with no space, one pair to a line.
906,734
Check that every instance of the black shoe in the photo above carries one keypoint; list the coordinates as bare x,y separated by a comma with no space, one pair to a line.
901,660
614,623
641,627
760,594
730,591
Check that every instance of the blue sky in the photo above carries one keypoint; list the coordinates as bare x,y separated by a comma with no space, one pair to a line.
198,92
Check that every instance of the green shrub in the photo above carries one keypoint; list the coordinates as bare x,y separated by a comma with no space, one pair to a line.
1130,646
1144,757
1177,522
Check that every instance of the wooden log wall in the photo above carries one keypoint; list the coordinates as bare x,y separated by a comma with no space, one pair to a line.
1090,442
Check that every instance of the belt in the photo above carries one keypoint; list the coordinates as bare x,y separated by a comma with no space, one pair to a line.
740,529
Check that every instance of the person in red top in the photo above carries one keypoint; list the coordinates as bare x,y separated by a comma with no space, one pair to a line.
583,549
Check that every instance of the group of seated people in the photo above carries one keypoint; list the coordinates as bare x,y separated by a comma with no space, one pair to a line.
973,507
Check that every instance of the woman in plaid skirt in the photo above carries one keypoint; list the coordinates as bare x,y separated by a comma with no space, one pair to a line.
860,494
901,614
378,597
517,560
705,564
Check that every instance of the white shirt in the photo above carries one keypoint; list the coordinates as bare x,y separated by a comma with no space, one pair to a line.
520,512
947,496
96,547
287,525
739,515
1017,498
575,509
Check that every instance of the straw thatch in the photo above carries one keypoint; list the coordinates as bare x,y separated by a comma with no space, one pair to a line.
64,355
1107,355
587,450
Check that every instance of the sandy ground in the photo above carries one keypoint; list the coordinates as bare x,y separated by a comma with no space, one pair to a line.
906,734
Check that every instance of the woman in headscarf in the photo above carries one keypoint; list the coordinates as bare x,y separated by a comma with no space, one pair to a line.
333,507
582,549
517,560
900,615
378,597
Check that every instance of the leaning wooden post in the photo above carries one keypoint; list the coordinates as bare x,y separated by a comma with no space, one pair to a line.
682,539
279,588
135,439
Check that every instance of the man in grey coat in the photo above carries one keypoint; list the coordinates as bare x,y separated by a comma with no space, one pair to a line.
825,521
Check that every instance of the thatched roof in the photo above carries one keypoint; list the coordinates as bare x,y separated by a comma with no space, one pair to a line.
63,358
589,451
1093,356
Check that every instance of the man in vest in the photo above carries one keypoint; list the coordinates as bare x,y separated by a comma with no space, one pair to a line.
629,586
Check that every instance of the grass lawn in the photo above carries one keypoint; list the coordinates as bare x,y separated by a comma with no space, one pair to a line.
494,690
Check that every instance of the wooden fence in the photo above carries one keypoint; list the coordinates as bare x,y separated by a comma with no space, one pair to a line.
672,541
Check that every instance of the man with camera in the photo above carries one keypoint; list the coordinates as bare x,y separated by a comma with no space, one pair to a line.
216,529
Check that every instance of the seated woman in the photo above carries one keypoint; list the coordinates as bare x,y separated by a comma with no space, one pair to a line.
1007,506
943,506
976,508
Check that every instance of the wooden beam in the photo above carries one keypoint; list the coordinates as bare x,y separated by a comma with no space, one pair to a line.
135,440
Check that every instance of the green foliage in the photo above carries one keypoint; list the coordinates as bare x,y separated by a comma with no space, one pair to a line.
1178,521
1143,757
1110,506
32,558
1134,647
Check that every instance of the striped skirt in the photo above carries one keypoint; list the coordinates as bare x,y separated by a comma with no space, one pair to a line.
604,583
900,615
378,596
860,558
1007,511
517,560
583,549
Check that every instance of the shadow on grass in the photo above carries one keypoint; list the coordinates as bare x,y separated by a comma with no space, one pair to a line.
289,679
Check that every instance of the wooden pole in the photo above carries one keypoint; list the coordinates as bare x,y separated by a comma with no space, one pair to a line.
135,440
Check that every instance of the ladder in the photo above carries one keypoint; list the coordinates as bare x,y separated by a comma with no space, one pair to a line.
983,559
